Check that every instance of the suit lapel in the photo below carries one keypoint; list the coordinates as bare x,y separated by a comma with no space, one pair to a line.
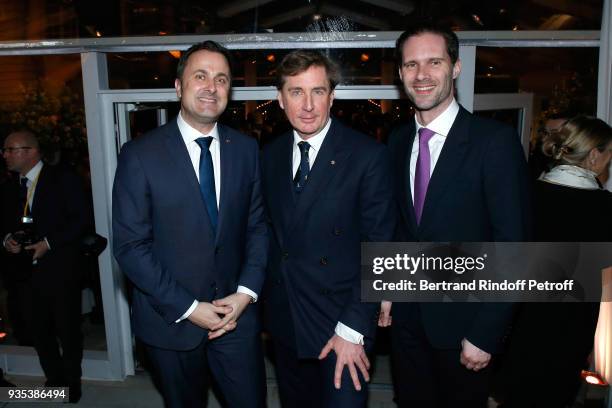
226,152
447,167
282,194
329,160
176,149
41,190
407,204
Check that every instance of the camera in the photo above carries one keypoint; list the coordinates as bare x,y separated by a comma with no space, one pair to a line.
27,235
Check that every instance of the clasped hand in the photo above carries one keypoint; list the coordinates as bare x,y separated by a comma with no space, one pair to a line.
220,316
39,249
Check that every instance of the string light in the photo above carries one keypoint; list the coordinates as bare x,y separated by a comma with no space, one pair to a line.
261,105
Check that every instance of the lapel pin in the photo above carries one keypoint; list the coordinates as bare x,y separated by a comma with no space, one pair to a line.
227,140
333,162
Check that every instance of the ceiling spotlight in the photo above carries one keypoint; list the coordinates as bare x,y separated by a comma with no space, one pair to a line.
515,28
364,57
175,54
162,33
477,19
270,58
98,34
316,17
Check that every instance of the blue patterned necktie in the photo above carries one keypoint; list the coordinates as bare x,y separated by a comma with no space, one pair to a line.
301,176
207,180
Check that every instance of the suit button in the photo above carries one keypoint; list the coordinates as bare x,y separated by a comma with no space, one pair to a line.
323,261
337,231
285,255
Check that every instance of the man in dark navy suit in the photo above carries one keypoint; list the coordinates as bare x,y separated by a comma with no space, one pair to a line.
458,178
327,188
190,233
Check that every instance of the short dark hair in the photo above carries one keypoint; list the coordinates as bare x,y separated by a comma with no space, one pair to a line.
207,45
452,42
299,61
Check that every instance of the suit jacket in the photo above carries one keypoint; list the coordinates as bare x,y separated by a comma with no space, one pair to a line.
478,192
314,269
59,209
163,238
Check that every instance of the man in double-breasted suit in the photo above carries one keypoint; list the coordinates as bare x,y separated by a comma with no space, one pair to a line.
190,233
327,188
44,219
458,178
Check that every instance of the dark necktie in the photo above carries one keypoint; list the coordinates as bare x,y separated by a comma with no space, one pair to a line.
23,194
207,179
301,176
422,173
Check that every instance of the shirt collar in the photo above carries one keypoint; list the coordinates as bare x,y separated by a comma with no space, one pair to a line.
34,171
315,141
190,134
443,123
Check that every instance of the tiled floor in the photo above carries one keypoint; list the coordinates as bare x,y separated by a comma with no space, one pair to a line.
138,391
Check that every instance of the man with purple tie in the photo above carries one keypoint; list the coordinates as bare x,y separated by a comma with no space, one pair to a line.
458,178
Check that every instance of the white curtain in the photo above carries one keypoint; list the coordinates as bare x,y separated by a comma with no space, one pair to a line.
603,334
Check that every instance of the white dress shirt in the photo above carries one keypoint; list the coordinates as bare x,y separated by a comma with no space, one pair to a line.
32,176
441,126
189,135
315,143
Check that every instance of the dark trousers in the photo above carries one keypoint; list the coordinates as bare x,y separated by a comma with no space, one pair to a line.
309,383
426,377
53,317
235,361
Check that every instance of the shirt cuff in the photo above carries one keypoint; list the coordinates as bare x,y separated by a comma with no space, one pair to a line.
247,291
47,242
349,334
188,312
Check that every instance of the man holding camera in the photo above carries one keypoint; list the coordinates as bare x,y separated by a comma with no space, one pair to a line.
43,220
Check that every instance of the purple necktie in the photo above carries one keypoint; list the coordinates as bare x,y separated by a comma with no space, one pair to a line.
423,168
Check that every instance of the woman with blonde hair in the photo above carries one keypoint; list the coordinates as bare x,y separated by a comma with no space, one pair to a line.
581,150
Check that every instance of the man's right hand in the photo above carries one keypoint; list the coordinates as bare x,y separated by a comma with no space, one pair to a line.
206,315
384,318
12,246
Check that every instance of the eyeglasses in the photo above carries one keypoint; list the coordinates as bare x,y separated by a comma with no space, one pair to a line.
10,150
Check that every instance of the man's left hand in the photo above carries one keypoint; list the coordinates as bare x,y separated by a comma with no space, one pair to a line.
472,357
347,354
40,248
238,302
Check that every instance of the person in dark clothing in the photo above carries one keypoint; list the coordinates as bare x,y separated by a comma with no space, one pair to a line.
569,206
43,220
